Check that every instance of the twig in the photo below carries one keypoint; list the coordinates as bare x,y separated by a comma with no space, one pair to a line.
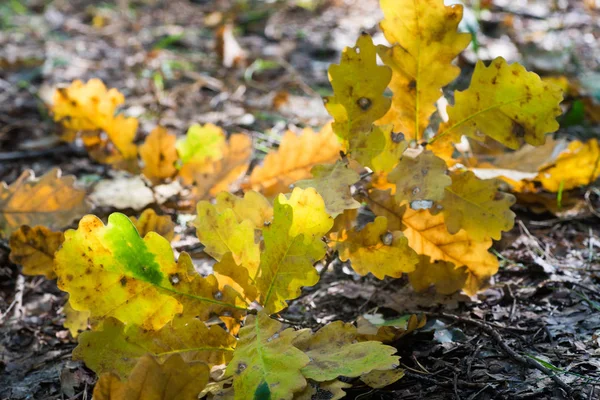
32,154
528,362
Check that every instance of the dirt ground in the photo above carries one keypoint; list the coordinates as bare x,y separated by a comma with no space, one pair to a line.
543,305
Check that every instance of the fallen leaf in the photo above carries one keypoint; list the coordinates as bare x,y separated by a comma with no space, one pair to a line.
52,201
578,165
149,221
225,173
159,155
149,380
334,351
117,193
201,145
296,155
34,249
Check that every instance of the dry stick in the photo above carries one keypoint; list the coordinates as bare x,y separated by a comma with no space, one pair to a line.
529,362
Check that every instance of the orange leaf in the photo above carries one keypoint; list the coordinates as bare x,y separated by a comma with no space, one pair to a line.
293,161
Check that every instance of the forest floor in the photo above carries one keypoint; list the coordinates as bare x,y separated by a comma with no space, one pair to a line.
544,304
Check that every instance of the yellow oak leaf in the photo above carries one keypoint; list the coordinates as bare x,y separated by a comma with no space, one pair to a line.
253,206
334,350
292,244
34,249
159,155
173,380
121,131
117,348
427,234
201,143
85,106
221,233
91,108
265,364
358,84
296,155
333,183
446,277
421,180
223,174
578,165
476,206
228,272
149,221
101,149
139,281
51,201
375,249
75,321
425,41
505,102
379,149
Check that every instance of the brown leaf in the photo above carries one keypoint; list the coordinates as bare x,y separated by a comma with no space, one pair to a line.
221,175
294,160
51,200
149,380
149,221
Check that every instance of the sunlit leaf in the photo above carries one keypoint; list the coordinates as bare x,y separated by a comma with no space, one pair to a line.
506,103
292,244
221,233
375,249
358,84
476,206
296,155
427,235
425,41
579,165
139,280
